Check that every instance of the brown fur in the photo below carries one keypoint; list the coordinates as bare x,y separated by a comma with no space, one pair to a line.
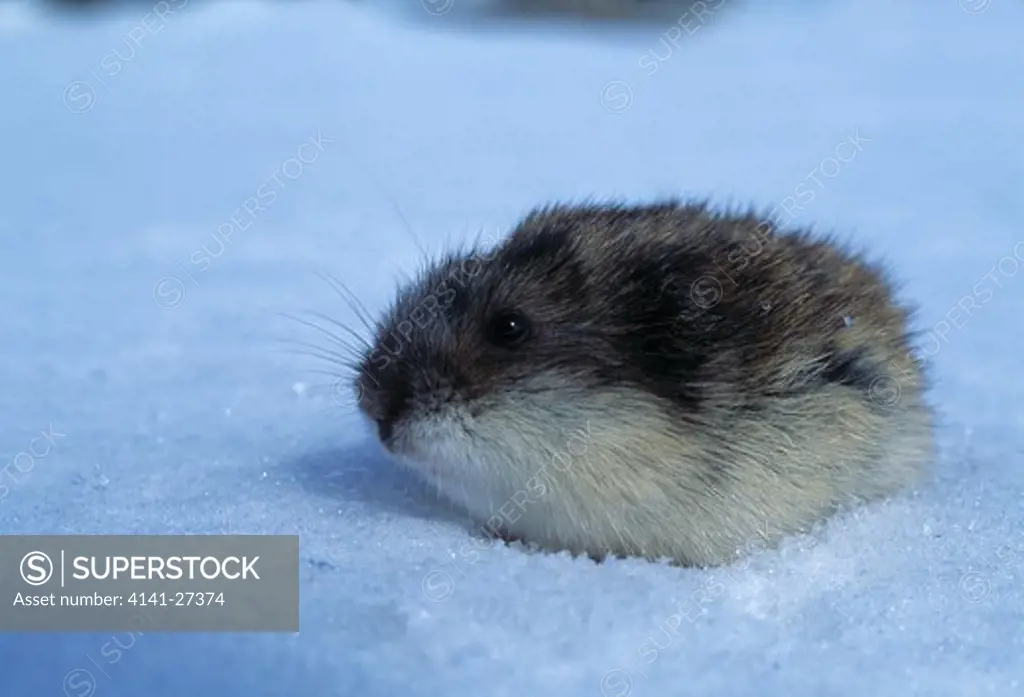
735,381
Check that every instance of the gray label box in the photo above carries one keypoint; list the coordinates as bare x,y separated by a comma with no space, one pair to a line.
158,583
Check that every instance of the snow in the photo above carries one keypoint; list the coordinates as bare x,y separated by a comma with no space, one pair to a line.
152,353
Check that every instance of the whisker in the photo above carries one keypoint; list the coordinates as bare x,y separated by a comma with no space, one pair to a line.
370,322
350,299
344,327
337,339
352,354
368,173
407,280
318,371
322,387
325,355
405,221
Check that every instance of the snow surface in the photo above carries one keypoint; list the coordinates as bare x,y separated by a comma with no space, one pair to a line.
193,419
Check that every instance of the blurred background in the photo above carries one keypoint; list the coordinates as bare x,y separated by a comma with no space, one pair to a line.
176,172
524,9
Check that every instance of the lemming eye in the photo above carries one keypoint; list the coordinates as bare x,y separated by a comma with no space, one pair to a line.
509,328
